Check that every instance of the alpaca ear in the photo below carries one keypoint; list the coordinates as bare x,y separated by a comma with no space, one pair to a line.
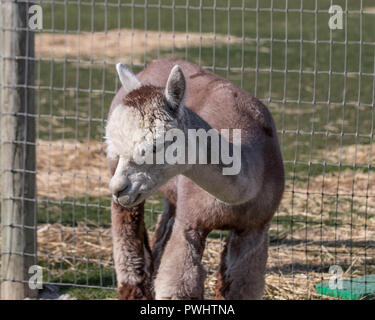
176,86
129,81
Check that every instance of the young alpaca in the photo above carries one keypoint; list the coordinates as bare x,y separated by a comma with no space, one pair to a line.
198,197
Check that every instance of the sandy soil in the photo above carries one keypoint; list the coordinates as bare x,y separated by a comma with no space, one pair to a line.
120,45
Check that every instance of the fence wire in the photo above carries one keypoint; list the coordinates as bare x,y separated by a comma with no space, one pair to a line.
318,83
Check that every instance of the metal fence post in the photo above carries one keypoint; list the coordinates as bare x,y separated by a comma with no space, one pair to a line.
18,186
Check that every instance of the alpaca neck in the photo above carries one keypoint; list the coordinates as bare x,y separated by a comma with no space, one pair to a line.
229,188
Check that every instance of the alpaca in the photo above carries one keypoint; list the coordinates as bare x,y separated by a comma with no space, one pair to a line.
198,197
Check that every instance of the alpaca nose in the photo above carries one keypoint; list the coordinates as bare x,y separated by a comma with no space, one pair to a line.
119,186
119,192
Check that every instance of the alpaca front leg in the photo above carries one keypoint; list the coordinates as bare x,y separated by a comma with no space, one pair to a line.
243,266
181,274
131,251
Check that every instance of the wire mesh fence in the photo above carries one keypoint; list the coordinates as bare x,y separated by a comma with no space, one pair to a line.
318,82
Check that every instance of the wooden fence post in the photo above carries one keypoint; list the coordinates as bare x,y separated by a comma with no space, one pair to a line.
18,186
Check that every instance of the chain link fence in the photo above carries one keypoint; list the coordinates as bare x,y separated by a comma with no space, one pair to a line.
316,75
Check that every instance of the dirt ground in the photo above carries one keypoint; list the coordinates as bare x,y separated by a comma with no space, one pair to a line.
120,45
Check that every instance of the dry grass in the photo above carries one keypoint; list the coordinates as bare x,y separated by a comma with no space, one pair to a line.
93,244
116,45
344,195
309,241
360,154
71,168
84,243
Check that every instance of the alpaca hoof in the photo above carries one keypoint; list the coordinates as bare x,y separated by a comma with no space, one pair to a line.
130,292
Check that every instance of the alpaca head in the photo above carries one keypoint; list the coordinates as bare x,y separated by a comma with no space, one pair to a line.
134,131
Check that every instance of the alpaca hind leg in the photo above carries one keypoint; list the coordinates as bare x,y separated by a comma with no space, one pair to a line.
181,274
243,266
162,232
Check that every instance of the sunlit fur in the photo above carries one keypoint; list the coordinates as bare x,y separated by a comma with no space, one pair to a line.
133,126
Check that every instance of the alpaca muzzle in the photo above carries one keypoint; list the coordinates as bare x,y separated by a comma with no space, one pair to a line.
127,200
